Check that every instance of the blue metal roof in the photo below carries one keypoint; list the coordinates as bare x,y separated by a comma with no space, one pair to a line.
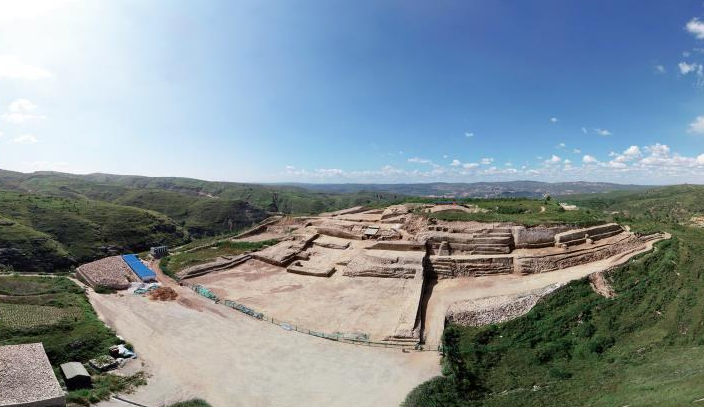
142,271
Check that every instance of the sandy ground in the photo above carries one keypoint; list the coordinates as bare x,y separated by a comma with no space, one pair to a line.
336,304
206,350
445,292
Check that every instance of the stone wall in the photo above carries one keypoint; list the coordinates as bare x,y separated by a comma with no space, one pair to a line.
536,237
558,261
398,245
387,266
490,241
283,253
494,310
453,267
341,233
580,236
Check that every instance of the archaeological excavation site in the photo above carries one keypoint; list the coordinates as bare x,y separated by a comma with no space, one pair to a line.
397,276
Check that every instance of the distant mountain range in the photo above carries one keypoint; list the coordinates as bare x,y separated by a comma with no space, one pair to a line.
517,189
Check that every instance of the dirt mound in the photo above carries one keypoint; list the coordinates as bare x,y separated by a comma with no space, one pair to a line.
163,294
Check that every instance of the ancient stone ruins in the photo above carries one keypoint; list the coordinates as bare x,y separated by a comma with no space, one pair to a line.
394,274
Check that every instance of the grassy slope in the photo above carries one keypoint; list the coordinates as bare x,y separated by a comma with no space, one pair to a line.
51,232
53,220
203,207
520,210
643,348
176,262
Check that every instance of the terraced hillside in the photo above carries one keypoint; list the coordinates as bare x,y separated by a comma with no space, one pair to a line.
642,347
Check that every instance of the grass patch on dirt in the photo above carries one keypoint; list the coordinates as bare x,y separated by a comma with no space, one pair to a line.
174,263
105,385
191,403
15,285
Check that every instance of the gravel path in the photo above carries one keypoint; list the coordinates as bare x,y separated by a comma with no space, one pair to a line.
205,350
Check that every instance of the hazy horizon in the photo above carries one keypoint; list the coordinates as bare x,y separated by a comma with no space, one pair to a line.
342,183
363,92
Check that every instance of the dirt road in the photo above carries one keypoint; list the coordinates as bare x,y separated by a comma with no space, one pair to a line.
205,350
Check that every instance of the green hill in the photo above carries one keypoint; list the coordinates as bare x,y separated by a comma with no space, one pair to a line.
202,207
51,220
44,233
645,347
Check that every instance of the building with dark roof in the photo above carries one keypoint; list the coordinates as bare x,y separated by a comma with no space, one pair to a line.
75,375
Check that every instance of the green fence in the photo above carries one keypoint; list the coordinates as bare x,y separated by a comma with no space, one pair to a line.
356,338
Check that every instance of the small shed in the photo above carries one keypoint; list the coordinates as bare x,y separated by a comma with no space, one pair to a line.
158,252
75,375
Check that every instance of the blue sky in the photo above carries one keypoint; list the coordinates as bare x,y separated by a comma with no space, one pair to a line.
362,91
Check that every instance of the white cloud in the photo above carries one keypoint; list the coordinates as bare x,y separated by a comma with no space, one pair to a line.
30,9
21,105
553,120
696,27
487,161
24,139
660,69
418,160
589,159
686,68
658,150
602,132
632,151
469,134
584,130
553,160
561,145
21,111
577,151
466,166
327,172
697,126
656,163
13,68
